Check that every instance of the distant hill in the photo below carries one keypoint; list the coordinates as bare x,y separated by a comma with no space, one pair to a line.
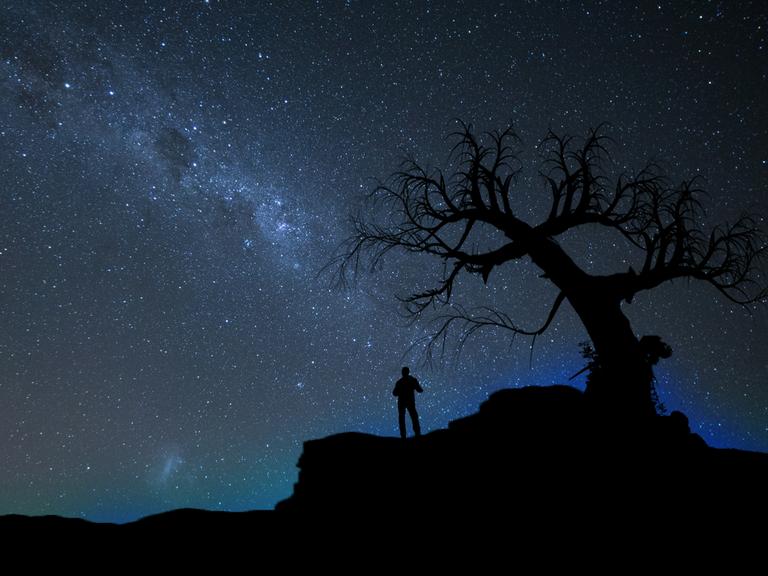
530,457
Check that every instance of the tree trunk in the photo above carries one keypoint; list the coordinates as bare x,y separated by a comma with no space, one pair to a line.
622,381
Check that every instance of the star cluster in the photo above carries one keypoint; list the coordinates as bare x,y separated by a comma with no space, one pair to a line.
176,174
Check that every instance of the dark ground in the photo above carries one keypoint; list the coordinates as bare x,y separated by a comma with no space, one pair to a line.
531,461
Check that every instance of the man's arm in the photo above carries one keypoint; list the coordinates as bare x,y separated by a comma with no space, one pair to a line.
396,391
417,387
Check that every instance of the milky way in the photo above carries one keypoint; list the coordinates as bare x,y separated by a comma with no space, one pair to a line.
176,174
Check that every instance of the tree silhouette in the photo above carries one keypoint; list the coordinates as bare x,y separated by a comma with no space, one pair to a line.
468,221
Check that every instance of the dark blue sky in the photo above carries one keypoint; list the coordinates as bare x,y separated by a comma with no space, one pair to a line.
174,175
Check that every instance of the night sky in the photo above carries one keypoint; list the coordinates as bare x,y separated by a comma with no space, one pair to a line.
173,176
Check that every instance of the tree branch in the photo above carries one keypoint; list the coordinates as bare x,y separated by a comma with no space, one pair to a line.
421,211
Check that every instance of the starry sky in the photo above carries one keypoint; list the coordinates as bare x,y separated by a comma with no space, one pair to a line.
174,175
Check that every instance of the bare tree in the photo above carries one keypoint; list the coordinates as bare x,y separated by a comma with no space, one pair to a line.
468,222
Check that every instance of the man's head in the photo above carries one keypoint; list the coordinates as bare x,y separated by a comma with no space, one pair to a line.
406,371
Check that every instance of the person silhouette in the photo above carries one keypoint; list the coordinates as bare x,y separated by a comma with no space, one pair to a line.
404,390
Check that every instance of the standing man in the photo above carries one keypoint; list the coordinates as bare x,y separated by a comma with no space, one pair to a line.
404,389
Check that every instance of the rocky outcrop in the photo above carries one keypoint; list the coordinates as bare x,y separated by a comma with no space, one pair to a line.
533,452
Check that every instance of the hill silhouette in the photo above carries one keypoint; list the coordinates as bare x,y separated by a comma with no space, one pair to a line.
535,456
531,454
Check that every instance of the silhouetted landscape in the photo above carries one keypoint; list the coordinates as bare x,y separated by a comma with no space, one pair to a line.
230,229
535,454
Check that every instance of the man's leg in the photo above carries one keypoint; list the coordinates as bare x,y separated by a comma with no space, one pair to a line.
401,419
414,419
